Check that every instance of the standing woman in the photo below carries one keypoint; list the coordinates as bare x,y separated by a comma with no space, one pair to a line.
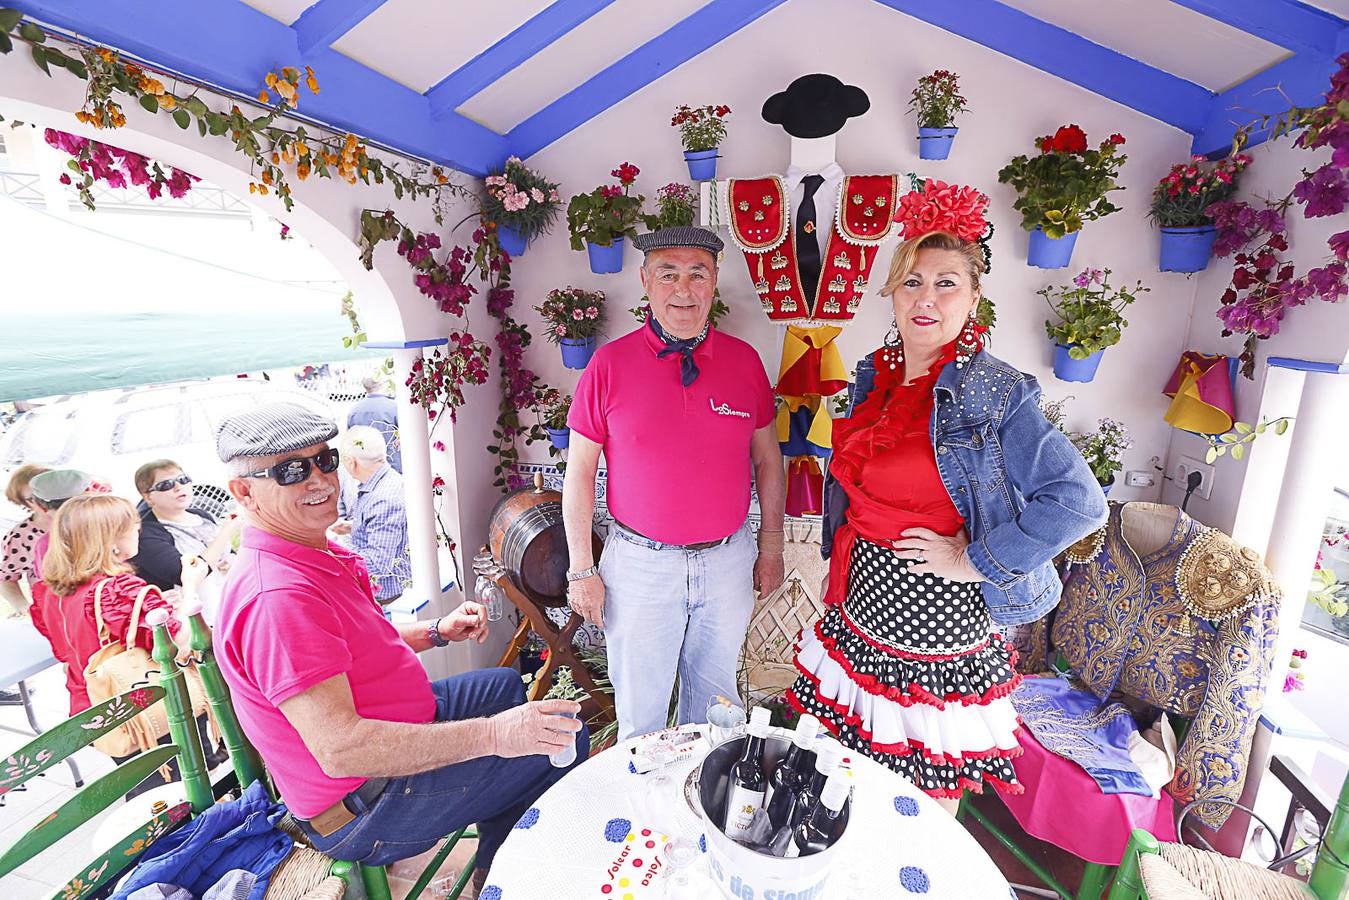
17,555
949,495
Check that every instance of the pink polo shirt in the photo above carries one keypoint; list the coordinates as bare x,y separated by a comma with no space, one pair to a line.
290,617
678,457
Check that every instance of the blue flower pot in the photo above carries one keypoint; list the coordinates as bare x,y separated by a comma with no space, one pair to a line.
1106,486
560,437
935,143
1068,369
606,260
1187,249
576,352
702,164
512,241
1050,253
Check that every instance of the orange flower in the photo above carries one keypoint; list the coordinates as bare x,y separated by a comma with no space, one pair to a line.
271,79
105,54
276,157
252,188
167,101
302,170
266,176
262,189
301,148
264,97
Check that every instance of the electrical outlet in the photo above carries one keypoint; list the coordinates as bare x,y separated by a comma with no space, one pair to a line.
1140,479
1181,475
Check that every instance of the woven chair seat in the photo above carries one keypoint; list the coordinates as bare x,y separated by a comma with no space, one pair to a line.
304,875
1179,872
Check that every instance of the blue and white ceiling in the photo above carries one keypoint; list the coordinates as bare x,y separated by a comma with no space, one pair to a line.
469,83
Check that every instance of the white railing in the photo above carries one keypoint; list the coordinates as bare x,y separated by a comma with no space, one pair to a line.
202,199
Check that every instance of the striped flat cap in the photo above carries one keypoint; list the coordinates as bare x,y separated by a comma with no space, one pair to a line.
271,429
679,236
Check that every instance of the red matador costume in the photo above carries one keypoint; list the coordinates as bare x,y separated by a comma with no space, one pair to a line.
812,369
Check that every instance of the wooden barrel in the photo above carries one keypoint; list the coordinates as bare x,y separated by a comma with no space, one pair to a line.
526,536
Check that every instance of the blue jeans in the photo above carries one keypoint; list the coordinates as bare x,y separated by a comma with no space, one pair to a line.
667,611
414,812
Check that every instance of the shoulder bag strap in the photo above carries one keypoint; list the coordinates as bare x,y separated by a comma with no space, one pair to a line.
136,615
104,636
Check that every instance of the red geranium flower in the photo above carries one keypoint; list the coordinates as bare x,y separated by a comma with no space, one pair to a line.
1117,139
626,173
1069,139
943,207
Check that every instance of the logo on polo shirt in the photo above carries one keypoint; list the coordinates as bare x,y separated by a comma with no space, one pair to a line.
725,410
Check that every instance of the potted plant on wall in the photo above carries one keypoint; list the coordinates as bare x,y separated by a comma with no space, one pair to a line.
1102,449
1180,205
676,204
574,318
1061,188
701,129
552,410
1090,314
601,221
936,101
521,202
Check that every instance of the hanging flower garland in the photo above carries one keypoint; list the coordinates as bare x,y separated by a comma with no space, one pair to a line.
272,149
1264,285
94,162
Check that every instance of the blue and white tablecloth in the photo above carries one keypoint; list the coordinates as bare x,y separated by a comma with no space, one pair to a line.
585,838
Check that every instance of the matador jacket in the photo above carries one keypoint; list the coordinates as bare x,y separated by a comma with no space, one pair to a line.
1179,616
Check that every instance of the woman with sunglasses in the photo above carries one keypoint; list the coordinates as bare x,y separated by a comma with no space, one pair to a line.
17,557
174,530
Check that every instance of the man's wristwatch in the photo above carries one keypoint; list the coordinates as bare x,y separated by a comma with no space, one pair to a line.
434,636
584,573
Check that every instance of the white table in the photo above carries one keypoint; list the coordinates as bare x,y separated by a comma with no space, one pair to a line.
901,843
25,654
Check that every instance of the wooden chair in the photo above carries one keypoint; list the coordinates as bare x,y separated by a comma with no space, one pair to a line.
1154,870
249,767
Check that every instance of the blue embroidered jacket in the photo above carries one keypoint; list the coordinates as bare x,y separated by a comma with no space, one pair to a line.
1023,489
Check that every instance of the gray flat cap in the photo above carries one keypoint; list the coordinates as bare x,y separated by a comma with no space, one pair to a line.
59,485
679,236
271,429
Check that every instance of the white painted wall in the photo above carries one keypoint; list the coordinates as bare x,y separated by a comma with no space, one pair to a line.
885,52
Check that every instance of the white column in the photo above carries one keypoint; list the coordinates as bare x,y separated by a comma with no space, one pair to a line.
1315,455
415,442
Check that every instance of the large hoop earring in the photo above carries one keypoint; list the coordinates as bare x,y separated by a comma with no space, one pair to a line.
967,344
894,348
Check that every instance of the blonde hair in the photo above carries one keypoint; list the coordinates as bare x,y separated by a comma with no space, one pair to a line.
83,533
18,480
906,257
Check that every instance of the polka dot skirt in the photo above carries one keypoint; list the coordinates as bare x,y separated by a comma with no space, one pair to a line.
913,639
16,558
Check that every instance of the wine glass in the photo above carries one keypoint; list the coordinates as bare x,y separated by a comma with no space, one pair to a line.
485,588
726,719
681,855
658,790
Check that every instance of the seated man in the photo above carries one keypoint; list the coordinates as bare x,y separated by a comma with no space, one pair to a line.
376,517
377,762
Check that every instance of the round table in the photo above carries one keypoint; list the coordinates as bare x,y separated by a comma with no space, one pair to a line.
580,838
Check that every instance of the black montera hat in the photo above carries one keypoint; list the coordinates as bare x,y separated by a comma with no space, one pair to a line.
815,106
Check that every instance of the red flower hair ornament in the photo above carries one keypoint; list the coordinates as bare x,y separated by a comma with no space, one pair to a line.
956,209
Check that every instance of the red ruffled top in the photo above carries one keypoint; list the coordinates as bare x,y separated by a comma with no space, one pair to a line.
883,460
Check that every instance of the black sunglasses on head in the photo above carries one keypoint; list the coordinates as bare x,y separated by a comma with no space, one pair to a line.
169,484
296,469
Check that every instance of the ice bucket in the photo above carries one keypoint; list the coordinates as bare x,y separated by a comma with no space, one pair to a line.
742,873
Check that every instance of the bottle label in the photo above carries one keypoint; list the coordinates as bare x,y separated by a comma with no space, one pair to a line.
741,806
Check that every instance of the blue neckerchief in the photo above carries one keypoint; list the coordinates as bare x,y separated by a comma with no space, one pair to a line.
688,369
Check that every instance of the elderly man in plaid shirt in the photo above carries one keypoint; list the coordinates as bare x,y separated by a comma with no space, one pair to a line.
373,511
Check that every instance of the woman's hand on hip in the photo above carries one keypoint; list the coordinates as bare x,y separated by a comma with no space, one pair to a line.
937,554
586,597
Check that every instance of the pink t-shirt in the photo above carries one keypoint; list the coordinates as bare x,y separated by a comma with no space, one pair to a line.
678,457
290,617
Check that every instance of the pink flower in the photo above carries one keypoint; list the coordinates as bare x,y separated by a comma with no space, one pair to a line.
610,192
560,329
554,196
577,315
536,194
439,445
592,312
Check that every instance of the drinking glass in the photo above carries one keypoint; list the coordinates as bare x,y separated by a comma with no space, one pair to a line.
659,789
726,720
681,855
442,887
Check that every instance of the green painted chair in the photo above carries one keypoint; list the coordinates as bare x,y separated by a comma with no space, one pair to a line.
248,767
1152,870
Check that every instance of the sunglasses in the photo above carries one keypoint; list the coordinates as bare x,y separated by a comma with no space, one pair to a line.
296,469
169,484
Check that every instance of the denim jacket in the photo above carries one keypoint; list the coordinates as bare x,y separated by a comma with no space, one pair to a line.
1023,489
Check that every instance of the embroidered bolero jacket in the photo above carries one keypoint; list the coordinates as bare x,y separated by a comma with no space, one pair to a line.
1181,617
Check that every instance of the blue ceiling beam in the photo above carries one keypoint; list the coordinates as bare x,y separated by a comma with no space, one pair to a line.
1069,56
232,46
1300,80
512,50
324,22
1285,23
681,42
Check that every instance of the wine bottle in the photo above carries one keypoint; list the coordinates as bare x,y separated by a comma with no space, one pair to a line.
822,827
827,759
792,773
748,783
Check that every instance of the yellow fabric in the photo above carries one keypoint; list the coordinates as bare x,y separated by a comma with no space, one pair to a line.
798,340
1190,413
821,425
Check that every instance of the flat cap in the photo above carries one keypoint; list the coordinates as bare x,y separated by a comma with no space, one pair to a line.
59,485
271,429
679,236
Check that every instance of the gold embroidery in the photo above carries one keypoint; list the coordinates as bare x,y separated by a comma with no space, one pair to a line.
838,285
784,284
743,206
841,261
1087,549
831,306
778,261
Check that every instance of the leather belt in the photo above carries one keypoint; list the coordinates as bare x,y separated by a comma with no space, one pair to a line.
346,809
702,545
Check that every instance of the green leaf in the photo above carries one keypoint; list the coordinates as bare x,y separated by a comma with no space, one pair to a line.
1238,451
1211,455
9,18
1280,426
78,69
30,32
182,117
201,127
40,57
1242,427
217,124
6,44
149,103
195,106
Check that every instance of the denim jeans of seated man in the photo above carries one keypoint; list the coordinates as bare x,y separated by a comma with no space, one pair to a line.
670,611
413,813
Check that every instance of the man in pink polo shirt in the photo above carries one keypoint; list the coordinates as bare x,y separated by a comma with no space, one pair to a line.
375,761
683,414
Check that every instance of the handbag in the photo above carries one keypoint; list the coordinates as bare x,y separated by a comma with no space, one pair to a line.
116,668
